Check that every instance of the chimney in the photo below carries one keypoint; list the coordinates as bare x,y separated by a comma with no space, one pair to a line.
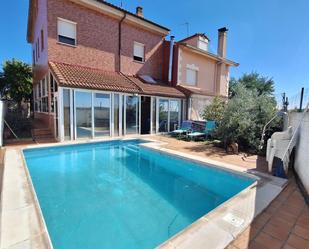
139,11
222,33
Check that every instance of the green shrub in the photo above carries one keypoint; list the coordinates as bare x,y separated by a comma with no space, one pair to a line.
215,110
244,117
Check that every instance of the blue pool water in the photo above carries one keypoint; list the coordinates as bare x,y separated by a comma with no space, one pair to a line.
120,195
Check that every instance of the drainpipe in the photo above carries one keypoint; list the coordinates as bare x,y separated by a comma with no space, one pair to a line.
119,41
170,64
217,78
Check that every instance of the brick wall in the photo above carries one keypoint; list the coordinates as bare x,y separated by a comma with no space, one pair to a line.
98,41
153,64
40,67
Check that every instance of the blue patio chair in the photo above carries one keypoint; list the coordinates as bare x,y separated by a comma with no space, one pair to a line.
186,127
209,128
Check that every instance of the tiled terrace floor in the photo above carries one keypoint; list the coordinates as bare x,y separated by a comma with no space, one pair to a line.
284,224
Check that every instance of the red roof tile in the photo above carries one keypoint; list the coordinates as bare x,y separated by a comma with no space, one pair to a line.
83,77
188,90
158,89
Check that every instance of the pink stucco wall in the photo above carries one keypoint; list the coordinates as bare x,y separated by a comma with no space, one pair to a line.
207,69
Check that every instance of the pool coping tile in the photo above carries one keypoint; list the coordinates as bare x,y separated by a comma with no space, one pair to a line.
213,229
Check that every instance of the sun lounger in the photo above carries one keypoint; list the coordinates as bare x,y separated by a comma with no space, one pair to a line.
186,127
209,128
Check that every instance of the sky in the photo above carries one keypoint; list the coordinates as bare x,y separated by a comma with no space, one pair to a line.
270,37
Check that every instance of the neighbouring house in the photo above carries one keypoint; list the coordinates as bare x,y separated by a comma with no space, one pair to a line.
100,70
200,74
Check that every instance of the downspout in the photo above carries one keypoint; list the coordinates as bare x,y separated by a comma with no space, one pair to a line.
119,41
170,64
217,91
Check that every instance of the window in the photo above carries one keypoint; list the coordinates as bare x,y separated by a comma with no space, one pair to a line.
132,114
42,39
101,106
66,114
203,45
33,57
83,112
139,52
38,47
191,77
66,32
36,52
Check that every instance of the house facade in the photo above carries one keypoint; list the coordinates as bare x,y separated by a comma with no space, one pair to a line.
100,71
200,74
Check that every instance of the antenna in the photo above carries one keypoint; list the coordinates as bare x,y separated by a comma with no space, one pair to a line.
188,25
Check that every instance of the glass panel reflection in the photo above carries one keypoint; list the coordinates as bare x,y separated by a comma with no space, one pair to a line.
163,115
66,114
83,115
174,114
154,102
116,114
101,105
132,115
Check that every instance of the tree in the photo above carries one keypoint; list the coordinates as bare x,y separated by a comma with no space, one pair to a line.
215,110
253,81
16,81
244,117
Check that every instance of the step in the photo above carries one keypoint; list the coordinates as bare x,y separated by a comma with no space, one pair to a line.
38,132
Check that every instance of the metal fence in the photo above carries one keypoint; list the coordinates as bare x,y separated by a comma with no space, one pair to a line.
295,102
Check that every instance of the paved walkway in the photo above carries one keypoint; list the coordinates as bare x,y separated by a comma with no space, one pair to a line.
284,224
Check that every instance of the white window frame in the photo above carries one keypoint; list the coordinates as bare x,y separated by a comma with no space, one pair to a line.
168,114
138,117
188,81
143,55
59,19
203,45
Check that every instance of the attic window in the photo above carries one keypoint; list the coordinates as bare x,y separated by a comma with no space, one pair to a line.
203,45
191,77
139,52
66,32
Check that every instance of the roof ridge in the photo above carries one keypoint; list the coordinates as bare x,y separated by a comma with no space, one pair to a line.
82,66
131,13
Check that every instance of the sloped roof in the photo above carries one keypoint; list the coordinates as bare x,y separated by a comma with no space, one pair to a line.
194,35
90,78
159,88
188,90
76,76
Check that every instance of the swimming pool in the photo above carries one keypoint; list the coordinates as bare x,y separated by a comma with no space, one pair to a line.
119,194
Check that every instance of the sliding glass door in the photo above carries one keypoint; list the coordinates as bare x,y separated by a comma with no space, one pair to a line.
169,114
101,106
83,112
116,108
66,114
174,109
132,115
163,115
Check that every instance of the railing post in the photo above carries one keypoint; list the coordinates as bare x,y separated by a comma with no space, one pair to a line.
301,99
